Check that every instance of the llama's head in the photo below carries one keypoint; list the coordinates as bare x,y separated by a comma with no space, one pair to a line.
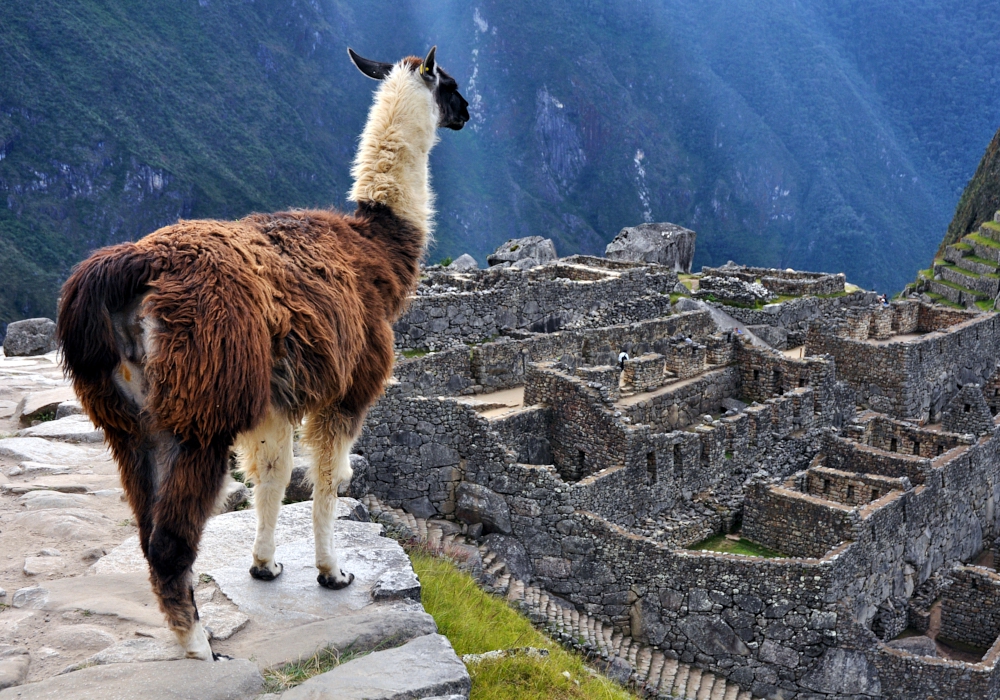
453,109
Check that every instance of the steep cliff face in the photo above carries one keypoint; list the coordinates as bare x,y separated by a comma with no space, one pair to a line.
980,200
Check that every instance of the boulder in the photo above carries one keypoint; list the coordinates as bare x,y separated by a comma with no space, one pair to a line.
33,336
539,250
463,263
663,244
513,554
843,671
713,636
478,504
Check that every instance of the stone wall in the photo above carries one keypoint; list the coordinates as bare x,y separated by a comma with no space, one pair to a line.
906,438
848,488
849,456
970,610
915,378
460,308
794,523
782,282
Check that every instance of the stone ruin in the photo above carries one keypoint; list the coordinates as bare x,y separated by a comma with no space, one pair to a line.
611,444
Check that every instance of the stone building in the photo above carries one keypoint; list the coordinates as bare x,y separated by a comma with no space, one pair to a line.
606,436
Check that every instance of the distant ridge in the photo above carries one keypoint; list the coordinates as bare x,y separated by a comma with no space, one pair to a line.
980,200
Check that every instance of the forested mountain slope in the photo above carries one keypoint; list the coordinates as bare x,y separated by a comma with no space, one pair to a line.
814,134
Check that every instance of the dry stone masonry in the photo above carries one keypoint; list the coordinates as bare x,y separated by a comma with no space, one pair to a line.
618,448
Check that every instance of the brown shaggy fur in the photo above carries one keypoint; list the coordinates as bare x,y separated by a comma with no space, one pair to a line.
292,310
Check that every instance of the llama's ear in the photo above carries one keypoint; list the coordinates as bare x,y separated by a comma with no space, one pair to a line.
427,67
373,69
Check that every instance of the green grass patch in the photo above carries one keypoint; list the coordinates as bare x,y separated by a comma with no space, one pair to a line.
992,225
835,295
981,261
961,271
964,247
944,301
959,287
982,240
415,353
476,622
721,543
282,678
985,305
445,262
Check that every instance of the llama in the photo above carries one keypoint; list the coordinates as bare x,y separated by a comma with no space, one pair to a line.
206,334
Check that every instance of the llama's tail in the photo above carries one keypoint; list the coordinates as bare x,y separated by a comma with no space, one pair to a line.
100,285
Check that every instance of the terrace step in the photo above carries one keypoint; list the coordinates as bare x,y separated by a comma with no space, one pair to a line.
983,247
955,293
987,286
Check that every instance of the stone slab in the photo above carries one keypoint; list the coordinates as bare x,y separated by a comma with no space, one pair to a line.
39,402
42,499
36,449
424,667
76,429
295,595
14,663
370,628
157,680
65,523
227,539
126,596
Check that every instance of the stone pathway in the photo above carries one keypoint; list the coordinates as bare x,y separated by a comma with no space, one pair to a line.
647,667
78,618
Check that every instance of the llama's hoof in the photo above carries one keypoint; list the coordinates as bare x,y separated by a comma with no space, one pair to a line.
221,657
328,581
262,573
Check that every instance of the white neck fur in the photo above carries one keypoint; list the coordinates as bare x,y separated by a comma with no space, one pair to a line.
391,166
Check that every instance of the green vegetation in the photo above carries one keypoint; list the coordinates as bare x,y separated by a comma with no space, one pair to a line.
959,287
476,622
415,353
938,299
445,262
981,261
721,543
277,680
982,240
985,304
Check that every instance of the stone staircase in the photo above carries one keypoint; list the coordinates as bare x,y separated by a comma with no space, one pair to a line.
653,673
969,274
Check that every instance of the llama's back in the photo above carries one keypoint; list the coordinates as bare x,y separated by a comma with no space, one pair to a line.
203,324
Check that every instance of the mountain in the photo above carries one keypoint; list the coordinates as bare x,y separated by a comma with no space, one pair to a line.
980,200
816,134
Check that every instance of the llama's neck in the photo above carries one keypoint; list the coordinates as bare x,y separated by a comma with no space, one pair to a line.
391,167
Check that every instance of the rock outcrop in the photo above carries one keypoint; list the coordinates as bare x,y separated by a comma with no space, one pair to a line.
664,244
524,252
32,336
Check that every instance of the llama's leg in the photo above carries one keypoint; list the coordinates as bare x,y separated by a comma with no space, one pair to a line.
331,466
266,453
135,456
185,502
